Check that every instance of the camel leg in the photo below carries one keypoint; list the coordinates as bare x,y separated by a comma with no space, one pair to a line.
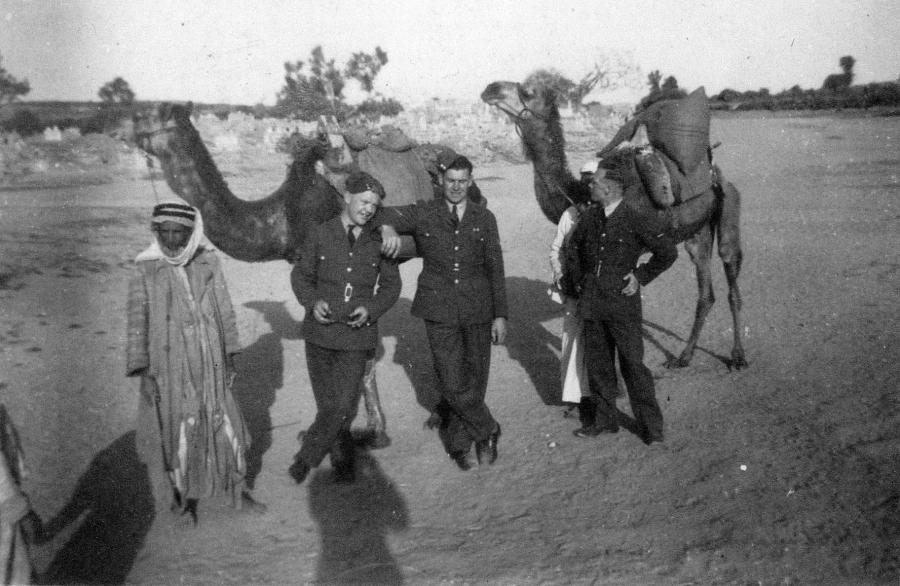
699,248
376,422
729,236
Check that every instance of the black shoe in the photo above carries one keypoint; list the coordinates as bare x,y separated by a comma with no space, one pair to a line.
298,470
462,459
589,431
487,448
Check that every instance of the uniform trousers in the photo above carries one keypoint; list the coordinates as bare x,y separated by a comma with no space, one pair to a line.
335,376
604,338
462,361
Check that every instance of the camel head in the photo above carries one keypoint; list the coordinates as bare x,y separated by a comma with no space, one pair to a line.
154,130
519,101
534,111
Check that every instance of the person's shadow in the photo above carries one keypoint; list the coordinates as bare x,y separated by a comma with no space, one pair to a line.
260,368
112,507
528,341
354,520
411,351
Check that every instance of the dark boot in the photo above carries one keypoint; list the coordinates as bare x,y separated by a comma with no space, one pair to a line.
343,459
587,412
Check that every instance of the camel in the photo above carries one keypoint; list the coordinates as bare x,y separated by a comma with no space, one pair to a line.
271,228
697,222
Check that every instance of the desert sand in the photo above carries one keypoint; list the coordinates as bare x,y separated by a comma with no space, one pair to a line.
783,473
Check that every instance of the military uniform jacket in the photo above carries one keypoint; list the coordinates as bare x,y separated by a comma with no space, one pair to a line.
462,280
601,253
329,269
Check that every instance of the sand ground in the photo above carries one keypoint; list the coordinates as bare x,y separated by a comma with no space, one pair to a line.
783,473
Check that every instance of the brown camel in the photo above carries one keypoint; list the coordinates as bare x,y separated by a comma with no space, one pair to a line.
713,214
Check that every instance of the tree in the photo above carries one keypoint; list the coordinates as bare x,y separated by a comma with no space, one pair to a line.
847,62
669,90
116,91
364,67
553,80
670,84
316,87
653,79
11,88
609,72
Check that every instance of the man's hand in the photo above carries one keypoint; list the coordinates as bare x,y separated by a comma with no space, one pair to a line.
632,285
322,312
390,242
359,317
498,330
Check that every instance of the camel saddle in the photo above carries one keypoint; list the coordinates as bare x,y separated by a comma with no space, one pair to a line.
676,166
663,180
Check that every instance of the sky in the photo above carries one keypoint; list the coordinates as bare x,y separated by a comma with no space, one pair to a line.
234,51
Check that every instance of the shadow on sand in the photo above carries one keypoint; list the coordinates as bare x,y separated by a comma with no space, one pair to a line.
108,515
354,521
529,342
260,369
411,352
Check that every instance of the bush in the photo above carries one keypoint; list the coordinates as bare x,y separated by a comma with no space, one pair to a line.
24,122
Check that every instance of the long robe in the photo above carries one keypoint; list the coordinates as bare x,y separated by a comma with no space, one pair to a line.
181,328
573,375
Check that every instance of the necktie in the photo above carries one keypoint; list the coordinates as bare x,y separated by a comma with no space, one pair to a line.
455,215
351,237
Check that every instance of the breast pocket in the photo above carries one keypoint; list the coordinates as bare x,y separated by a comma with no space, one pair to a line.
476,238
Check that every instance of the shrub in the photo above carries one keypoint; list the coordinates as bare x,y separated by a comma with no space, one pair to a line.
24,122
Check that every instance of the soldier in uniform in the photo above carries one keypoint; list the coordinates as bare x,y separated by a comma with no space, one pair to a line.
602,255
461,295
335,281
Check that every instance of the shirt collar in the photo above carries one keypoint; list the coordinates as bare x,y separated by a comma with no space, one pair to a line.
608,210
460,207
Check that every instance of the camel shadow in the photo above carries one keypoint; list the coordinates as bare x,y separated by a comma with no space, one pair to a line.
354,521
260,369
528,341
112,510
670,357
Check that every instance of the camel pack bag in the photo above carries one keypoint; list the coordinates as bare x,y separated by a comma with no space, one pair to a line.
680,128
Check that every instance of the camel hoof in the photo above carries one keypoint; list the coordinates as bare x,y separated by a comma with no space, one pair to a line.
378,439
679,362
738,361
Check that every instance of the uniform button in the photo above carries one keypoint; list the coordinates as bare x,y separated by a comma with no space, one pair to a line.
456,248
351,254
349,269
456,281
